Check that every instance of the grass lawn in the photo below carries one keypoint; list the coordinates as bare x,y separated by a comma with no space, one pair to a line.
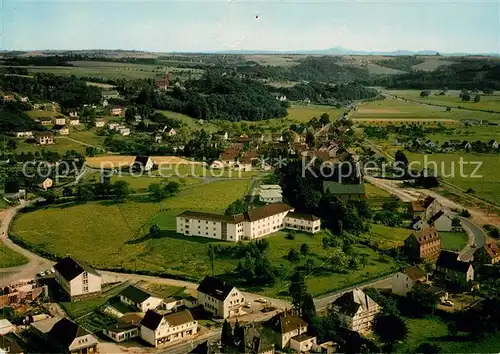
164,291
452,99
388,237
3,204
304,114
141,184
103,232
61,145
10,258
454,241
434,330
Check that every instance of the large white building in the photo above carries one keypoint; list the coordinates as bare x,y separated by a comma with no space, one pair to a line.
270,193
254,224
220,298
404,280
159,330
77,279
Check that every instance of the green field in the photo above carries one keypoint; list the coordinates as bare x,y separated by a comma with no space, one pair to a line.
141,184
304,114
10,258
452,99
435,330
454,241
61,145
398,109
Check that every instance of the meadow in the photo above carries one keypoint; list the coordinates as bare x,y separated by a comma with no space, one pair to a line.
10,258
141,184
304,114
452,99
454,241
61,145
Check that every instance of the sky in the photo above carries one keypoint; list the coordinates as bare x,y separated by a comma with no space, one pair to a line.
192,26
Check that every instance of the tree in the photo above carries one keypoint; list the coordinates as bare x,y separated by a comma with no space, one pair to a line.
211,255
49,196
121,190
156,191
293,256
310,139
226,337
401,160
324,119
425,93
308,309
338,260
85,192
456,222
237,207
477,98
465,95
238,333
305,249
390,329
172,188
364,259
154,231
428,348
297,290
423,299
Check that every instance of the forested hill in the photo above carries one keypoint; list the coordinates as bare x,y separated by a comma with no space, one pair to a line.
469,74
13,119
325,69
328,93
218,96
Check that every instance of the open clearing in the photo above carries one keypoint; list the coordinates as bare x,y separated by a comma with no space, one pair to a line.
454,241
109,161
10,258
304,114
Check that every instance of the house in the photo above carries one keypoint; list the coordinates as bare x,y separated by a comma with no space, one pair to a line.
74,121
172,304
100,124
143,163
425,208
190,302
114,126
61,335
302,222
344,191
253,342
404,280
9,345
162,82
423,244
20,291
452,273
107,94
440,221
45,183
222,135
220,298
60,129
493,144
286,326
117,111
277,137
44,138
59,120
170,131
124,131
159,330
28,134
217,165
6,326
45,121
303,343
73,114
270,196
121,332
488,254
157,138
77,279
251,225
357,310
142,300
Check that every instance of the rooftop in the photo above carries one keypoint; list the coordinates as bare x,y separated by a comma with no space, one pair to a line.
70,268
135,294
215,288
343,189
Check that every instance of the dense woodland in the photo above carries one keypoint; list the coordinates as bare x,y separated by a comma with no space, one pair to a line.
328,93
12,118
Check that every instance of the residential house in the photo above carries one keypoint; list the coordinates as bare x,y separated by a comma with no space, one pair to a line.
121,332
77,279
159,330
345,191
466,145
60,129
114,126
162,82
138,298
270,196
107,94
452,273
423,244
143,163
404,280
44,138
425,208
6,326
28,134
117,111
61,335
124,131
220,298
45,183
45,121
100,123
74,121
222,135
286,326
302,222
440,221
277,137
493,144
488,254
253,224
303,343
357,310
172,304
20,291
73,114
60,120
253,342
9,345
217,165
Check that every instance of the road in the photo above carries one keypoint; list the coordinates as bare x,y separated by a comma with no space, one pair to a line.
187,347
476,235
322,302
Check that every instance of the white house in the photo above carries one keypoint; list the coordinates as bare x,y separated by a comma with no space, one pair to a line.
59,121
139,299
74,121
493,144
357,310
303,343
100,124
270,196
124,131
254,224
77,279
6,327
220,298
24,134
286,326
121,332
143,163
60,129
440,220
73,114
159,330
403,281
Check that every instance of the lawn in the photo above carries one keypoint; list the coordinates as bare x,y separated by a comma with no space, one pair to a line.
434,330
452,99
61,145
3,204
304,114
103,232
387,237
141,184
164,291
10,258
454,241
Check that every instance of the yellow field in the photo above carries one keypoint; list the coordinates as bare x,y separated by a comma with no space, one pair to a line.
385,121
119,160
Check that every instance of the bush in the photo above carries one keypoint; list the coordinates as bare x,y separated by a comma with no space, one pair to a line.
465,213
290,235
470,191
